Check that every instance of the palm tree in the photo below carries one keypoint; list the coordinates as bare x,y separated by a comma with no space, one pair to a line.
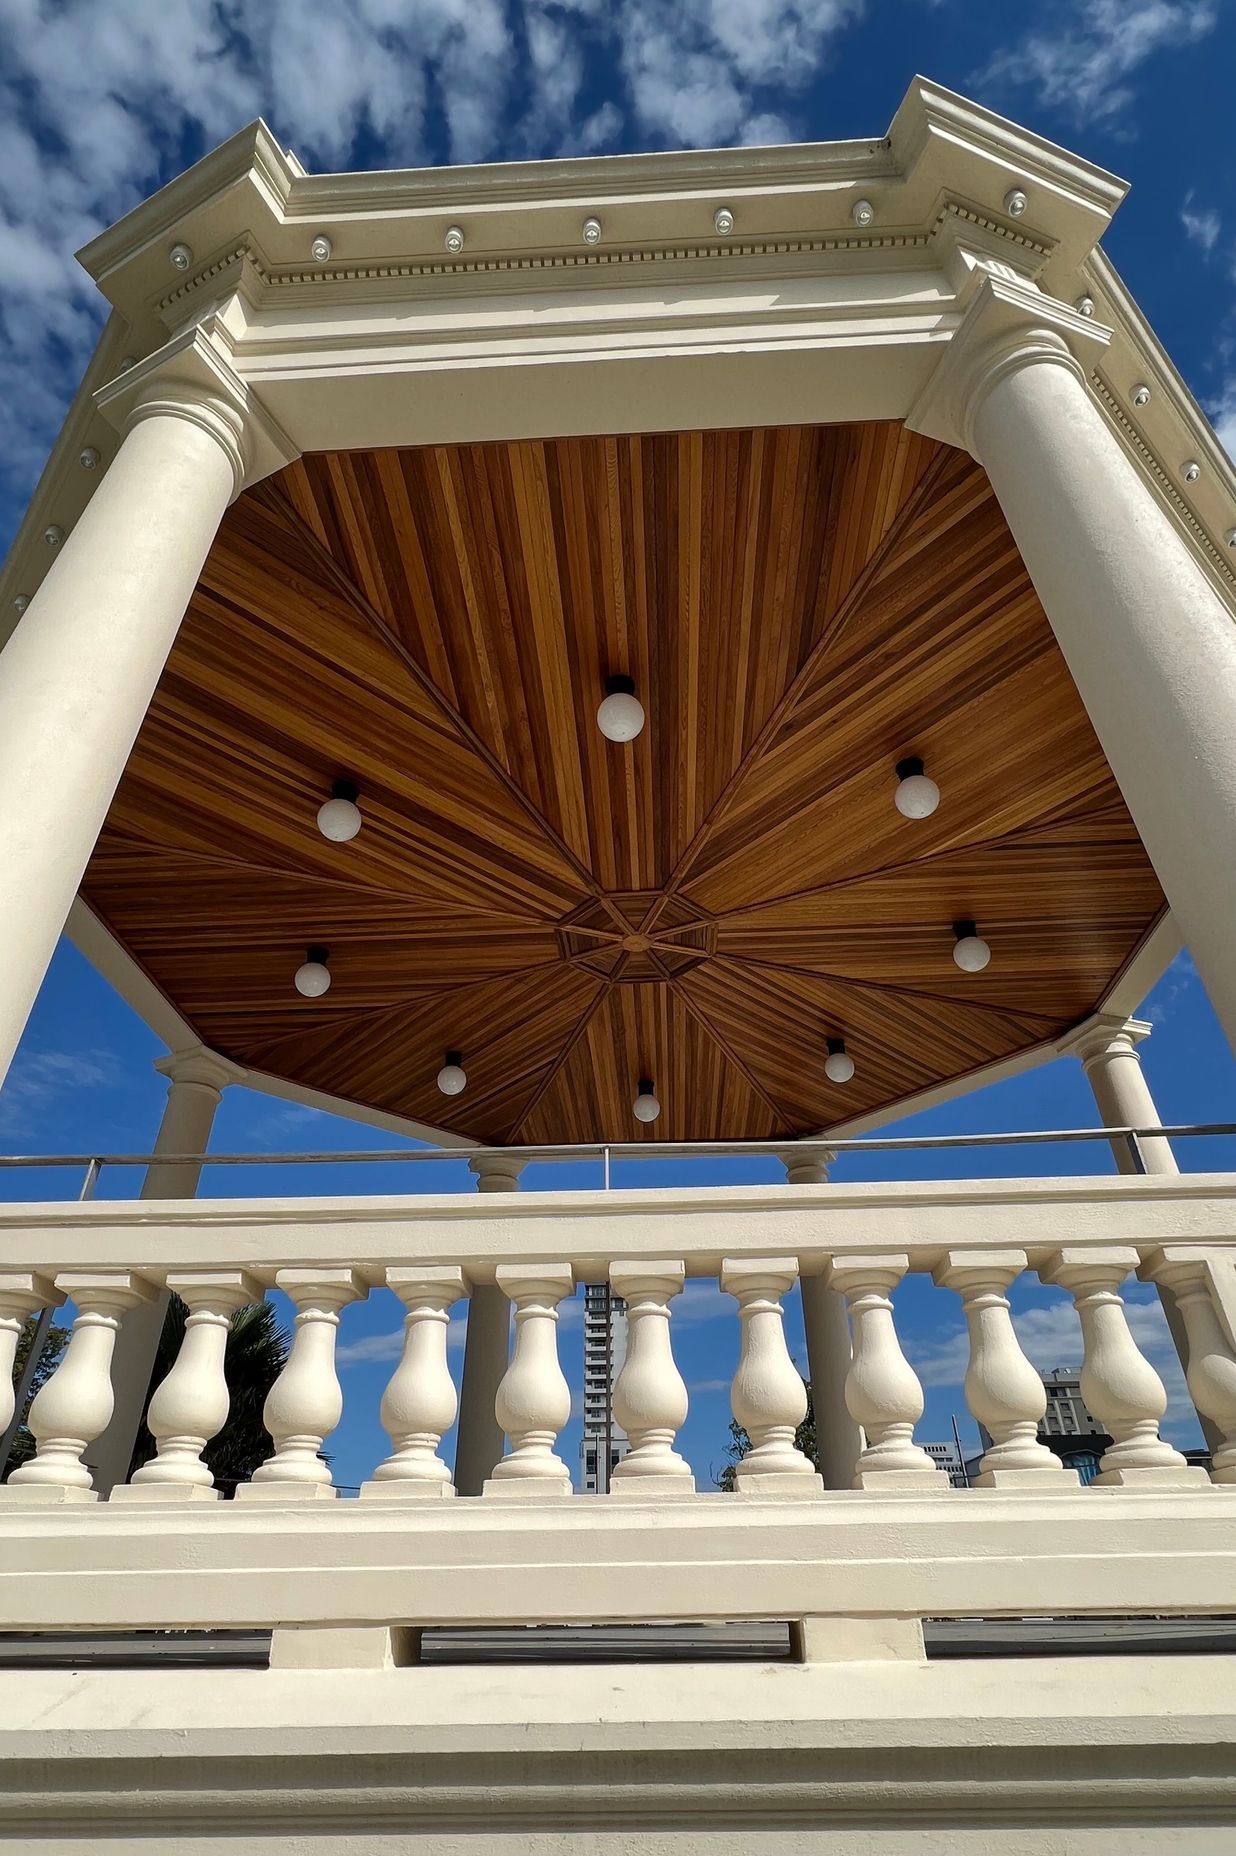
257,1351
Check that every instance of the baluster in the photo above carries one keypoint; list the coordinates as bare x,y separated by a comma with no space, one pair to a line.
306,1401
534,1400
191,1404
650,1397
420,1403
1118,1383
22,1294
768,1397
1003,1391
1212,1362
882,1392
75,1405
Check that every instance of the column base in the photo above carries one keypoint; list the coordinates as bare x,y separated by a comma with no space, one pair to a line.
893,1481
778,1482
391,1489
43,1495
674,1488
1187,1477
288,1492
171,1492
857,1640
1057,1480
526,1488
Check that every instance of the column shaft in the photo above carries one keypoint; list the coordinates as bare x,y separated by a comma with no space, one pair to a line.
1150,645
838,1440
78,673
480,1439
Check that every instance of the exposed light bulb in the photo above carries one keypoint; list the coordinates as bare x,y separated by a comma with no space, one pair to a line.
313,977
454,240
862,213
339,818
620,716
321,249
1015,203
645,1106
915,795
181,257
723,219
838,1065
970,951
452,1077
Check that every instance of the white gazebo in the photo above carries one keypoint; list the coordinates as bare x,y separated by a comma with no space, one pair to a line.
849,485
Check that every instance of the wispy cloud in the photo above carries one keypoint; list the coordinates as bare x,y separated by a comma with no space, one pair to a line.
1203,224
1080,60
40,1080
1221,409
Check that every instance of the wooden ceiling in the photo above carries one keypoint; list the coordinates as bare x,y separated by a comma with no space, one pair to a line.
799,608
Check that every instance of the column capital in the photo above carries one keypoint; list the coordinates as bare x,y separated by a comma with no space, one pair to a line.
1006,324
191,377
1103,1036
200,1067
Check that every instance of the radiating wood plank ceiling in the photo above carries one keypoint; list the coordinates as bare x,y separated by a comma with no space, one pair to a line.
799,609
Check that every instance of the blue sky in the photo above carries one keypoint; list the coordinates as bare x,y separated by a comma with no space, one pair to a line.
100,104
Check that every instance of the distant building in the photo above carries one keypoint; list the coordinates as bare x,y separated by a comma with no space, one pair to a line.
605,1349
1069,1428
948,1458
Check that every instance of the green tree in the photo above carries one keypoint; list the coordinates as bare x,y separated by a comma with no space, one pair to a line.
57,1341
740,1443
257,1351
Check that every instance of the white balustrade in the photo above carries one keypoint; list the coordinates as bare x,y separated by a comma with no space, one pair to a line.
882,1391
1003,1391
306,1401
1188,1273
1118,1383
420,1403
191,1404
534,1399
74,1406
768,1397
22,1294
650,1396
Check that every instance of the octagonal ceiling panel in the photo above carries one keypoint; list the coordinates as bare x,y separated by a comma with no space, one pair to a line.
799,608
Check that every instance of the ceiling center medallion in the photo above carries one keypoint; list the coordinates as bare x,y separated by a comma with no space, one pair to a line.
637,937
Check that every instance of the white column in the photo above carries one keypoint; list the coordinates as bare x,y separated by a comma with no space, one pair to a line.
650,1396
767,1397
22,1294
192,1402
838,1440
197,1079
306,1401
1149,643
1002,1389
1118,1383
76,1402
419,1404
1107,1048
882,1389
534,1399
487,1349
78,673
1190,1274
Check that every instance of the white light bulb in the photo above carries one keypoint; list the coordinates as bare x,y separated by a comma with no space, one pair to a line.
971,953
313,979
620,717
839,1065
452,1077
645,1106
339,819
915,795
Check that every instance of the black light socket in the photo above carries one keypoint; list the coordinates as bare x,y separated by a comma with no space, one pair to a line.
620,686
835,1046
964,929
455,1058
345,789
646,1087
320,954
907,769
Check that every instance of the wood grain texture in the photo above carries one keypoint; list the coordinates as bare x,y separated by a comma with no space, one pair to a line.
800,607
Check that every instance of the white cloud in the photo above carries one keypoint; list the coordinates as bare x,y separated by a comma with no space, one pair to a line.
40,1079
1202,223
1080,59
1222,411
